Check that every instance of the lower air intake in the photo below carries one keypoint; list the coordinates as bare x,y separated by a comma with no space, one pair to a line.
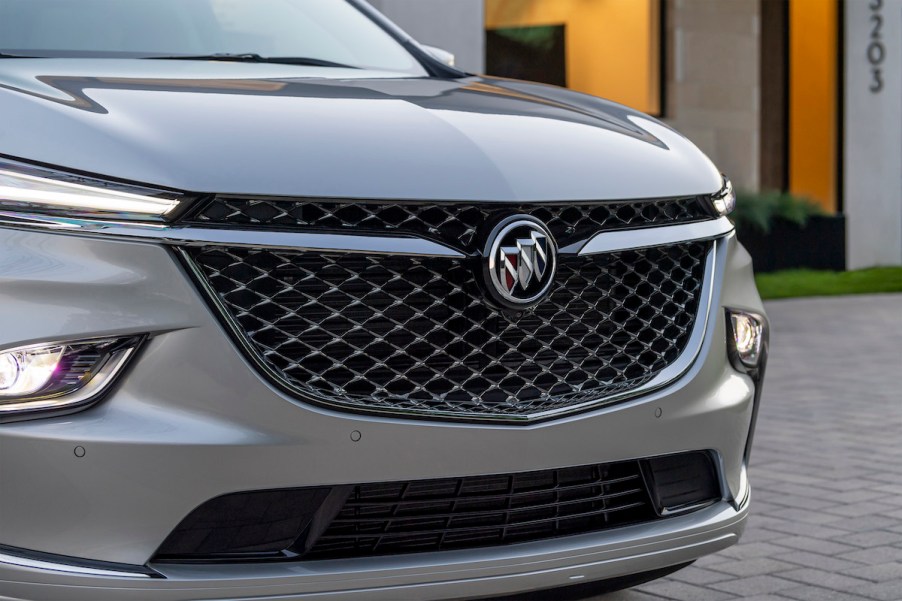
415,516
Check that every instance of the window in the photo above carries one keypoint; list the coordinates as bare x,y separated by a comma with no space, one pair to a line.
609,48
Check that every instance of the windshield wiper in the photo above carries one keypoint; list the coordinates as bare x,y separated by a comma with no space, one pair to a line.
250,57
5,55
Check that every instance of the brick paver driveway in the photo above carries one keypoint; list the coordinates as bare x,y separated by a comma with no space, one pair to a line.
826,469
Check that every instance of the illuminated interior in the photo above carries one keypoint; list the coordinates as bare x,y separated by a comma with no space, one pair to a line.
812,101
612,47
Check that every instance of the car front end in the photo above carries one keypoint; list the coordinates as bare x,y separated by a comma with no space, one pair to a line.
305,331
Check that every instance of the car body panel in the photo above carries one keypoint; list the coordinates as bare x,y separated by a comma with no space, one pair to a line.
235,128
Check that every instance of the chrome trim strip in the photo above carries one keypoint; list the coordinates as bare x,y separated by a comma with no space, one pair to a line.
620,240
714,262
175,235
202,236
37,564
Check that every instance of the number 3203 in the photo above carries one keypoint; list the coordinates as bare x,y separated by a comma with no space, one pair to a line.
876,51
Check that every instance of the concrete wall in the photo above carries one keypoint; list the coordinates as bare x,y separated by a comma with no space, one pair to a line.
454,25
713,81
873,133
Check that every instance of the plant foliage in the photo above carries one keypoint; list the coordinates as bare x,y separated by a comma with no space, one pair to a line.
759,210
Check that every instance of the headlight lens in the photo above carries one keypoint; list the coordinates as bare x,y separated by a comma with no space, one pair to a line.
53,376
747,332
27,188
23,373
724,201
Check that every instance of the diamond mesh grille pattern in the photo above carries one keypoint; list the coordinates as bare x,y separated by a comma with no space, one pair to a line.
477,511
453,223
417,335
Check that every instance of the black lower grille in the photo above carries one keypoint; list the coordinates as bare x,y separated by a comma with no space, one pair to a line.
365,520
479,511
417,335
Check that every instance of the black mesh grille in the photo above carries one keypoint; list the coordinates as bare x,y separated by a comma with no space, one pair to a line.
417,334
454,513
453,223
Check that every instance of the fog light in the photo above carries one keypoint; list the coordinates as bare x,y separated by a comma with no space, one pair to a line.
9,371
26,372
59,375
747,337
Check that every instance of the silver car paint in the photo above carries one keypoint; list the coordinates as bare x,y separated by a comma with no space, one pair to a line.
305,131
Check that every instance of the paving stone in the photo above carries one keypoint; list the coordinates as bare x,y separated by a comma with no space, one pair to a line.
709,561
702,576
815,545
875,555
857,496
878,573
752,550
773,597
869,522
874,538
681,591
628,595
885,591
816,593
758,534
753,567
805,515
829,580
754,585
817,560
810,530
860,509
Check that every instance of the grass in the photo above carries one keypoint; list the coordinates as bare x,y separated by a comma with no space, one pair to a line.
806,282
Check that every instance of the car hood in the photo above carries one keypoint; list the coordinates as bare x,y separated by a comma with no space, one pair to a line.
263,129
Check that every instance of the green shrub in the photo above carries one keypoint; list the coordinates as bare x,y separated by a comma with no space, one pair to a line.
759,210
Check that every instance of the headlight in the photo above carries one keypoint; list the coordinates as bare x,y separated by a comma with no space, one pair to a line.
34,189
60,375
724,200
746,338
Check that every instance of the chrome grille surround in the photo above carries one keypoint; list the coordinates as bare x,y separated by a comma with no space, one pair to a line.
312,363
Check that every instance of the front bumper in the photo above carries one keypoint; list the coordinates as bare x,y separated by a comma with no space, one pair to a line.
192,421
449,575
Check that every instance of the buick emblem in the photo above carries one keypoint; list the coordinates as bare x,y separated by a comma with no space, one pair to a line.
520,259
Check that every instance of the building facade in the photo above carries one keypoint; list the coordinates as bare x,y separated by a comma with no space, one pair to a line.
795,95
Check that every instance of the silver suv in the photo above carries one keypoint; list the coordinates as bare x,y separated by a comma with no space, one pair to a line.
292,309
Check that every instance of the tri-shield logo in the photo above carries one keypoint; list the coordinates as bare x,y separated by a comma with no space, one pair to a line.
521,260
521,263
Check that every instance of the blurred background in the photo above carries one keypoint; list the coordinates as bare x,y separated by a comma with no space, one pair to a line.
799,102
